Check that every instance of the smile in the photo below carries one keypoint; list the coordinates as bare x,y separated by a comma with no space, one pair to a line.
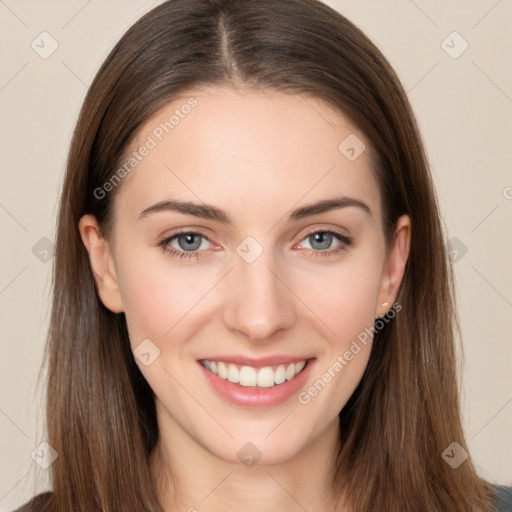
248,376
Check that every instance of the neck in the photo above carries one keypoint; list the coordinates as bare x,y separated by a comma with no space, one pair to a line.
190,478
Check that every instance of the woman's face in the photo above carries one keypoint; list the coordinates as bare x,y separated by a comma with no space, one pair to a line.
262,278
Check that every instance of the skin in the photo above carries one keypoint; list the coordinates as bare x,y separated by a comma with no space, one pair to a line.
256,155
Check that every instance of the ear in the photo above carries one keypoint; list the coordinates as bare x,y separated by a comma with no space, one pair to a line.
102,263
394,266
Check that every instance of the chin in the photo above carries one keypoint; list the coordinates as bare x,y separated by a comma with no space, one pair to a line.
263,447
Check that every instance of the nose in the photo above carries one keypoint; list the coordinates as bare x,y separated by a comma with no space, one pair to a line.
260,302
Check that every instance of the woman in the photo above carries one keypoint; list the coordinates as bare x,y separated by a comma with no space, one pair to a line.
230,156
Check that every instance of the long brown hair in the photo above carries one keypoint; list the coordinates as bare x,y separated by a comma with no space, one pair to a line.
405,412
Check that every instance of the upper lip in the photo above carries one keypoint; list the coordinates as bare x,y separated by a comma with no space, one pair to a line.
257,362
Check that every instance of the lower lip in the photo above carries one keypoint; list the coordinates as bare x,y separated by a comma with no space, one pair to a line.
257,397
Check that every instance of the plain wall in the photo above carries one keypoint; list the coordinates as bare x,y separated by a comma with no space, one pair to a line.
464,109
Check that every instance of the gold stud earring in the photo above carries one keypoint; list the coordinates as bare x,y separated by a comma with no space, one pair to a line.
385,305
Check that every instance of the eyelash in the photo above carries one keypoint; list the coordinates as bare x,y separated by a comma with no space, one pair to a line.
164,244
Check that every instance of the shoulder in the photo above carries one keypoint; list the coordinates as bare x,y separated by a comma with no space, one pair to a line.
37,503
502,499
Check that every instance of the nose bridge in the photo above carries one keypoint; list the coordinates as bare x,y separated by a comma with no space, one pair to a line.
260,303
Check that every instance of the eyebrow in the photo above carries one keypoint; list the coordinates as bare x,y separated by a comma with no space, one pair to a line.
207,211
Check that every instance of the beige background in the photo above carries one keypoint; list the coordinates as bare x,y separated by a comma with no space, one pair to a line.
464,108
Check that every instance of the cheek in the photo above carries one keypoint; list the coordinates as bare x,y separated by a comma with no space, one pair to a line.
344,300
157,295
344,295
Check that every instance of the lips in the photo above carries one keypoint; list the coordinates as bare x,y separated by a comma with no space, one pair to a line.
260,381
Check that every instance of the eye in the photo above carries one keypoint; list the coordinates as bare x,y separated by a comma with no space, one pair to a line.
186,244
190,244
321,242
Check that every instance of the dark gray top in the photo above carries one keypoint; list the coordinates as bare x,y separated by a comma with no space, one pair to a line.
503,501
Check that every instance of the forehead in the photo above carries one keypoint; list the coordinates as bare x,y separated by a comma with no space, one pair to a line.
248,150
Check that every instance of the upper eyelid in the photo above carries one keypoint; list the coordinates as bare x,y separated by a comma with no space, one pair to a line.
343,239
326,230
168,239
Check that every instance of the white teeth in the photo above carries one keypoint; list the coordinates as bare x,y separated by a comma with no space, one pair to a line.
222,370
266,377
248,376
233,374
280,374
299,366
